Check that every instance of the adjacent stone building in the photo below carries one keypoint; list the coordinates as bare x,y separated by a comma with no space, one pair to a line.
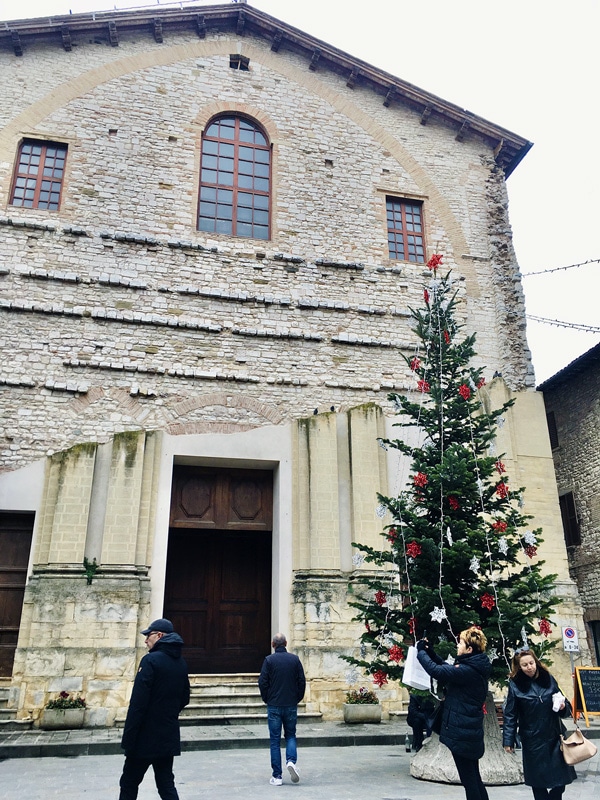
212,227
572,400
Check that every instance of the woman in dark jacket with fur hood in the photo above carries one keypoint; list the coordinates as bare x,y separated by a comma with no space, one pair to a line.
529,707
466,683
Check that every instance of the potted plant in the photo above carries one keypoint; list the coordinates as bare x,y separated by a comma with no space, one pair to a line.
64,712
362,705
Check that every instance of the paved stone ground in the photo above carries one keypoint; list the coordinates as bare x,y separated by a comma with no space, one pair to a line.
376,772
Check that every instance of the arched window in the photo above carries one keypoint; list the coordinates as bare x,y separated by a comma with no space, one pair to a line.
235,179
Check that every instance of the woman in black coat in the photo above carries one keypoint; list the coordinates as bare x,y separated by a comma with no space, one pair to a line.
466,683
529,707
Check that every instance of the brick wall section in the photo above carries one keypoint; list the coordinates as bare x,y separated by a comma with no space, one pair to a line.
574,397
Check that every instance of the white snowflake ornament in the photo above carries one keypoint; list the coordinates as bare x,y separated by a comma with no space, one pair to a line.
449,536
381,511
474,565
503,545
352,676
358,559
529,538
524,637
438,614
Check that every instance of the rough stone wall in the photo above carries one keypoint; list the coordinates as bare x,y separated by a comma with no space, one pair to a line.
81,636
575,401
117,310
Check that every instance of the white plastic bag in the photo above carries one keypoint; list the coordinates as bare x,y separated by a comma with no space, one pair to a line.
414,674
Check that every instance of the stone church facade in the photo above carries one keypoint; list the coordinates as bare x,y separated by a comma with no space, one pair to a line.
212,228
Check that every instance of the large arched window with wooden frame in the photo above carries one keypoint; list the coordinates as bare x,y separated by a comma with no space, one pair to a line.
235,178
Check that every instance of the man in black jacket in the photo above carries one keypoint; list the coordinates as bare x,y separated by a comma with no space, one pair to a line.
282,685
151,734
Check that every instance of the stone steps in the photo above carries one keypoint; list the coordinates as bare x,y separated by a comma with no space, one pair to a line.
230,700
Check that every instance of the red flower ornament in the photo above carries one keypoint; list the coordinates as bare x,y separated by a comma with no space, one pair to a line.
487,601
545,627
392,535
499,525
453,503
413,549
379,678
464,391
415,364
446,337
481,383
530,550
423,386
500,468
396,653
420,479
380,597
502,490
435,261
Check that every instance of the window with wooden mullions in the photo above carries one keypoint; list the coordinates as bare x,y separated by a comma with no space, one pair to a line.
406,240
39,175
235,179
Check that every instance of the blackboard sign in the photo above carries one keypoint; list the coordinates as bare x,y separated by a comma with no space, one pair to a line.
587,691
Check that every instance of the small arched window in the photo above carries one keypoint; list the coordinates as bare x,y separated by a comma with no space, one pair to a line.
235,179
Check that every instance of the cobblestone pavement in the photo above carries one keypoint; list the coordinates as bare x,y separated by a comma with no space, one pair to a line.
373,772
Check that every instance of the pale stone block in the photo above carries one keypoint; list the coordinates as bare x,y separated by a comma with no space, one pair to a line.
44,663
70,685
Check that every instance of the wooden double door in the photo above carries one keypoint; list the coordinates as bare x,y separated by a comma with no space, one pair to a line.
218,579
15,543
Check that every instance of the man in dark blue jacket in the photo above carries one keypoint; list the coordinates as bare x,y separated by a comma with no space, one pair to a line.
151,734
282,685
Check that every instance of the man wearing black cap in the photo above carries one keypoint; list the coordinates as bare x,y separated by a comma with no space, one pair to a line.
151,734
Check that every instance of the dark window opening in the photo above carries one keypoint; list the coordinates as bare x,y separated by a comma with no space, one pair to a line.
552,429
595,629
406,239
570,522
39,175
236,61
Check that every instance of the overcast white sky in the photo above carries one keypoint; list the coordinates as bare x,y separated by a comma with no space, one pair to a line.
528,65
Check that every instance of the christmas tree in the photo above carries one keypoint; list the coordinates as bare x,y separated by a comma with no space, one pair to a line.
457,551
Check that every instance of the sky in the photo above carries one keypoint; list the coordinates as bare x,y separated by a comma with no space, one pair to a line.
527,65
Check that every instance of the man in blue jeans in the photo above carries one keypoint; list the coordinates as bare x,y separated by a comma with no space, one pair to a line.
282,685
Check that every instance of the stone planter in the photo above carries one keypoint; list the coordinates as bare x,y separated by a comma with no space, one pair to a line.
362,712
57,719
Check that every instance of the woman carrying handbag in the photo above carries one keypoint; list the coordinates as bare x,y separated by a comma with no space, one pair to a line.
531,709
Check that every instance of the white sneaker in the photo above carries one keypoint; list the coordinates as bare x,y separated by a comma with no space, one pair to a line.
276,781
293,770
